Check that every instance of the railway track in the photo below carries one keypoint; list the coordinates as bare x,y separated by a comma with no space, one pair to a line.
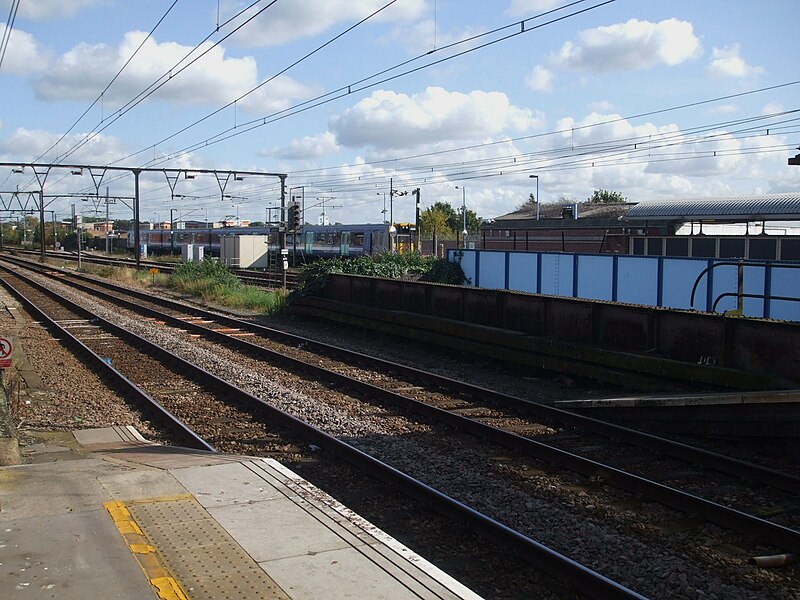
468,410
265,279
229,418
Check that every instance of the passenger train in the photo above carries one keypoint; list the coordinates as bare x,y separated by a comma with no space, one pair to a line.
313,241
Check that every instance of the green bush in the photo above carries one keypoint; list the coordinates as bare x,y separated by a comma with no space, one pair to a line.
391,266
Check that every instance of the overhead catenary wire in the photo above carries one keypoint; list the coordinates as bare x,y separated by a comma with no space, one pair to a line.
110,83
506,141
367,82
12,16
166,77
707,133
263,83
523,161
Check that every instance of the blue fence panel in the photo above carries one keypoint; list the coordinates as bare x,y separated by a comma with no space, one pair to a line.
785,282
522,272
754,281
595,277
679,277
468,264
637,280
557,270
654,281
724,281
492,269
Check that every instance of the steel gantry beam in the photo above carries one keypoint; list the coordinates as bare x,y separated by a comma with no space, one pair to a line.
97,172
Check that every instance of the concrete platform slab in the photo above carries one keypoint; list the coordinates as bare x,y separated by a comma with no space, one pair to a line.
137,520
77,555
51,489
226,484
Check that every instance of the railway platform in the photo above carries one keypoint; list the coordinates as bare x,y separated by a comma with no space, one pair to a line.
104,513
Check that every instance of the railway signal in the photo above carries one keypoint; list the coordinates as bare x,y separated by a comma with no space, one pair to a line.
293,218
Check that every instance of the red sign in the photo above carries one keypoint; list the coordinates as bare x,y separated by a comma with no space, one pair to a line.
6,350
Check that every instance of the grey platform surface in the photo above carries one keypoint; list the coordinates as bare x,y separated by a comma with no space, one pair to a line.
281,536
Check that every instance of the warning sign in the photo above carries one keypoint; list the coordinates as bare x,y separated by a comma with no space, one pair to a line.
6,349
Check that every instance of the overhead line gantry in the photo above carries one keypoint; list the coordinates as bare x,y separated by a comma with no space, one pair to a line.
97,172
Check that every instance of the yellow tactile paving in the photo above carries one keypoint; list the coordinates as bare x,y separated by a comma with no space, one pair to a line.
185,554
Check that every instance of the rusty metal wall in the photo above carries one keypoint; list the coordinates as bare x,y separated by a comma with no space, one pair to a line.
753,345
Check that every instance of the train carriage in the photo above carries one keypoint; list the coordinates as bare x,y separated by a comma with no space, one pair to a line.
312,242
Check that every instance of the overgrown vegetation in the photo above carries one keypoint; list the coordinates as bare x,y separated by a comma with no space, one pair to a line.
409,265
213,282
207,279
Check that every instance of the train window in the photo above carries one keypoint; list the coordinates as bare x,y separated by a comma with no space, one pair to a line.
790,249
763,249
357,240
677,246
309,242
731,247
655,246
703,247
638,246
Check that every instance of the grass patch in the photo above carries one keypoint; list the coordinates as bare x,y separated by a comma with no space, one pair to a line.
211,281
207,279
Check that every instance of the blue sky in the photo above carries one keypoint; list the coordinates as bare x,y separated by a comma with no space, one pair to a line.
560,99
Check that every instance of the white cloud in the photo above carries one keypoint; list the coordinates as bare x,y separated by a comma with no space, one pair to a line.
540,79
29,143
726,62
41,10
423,36
82,72
287,21
630,46
23,56
387,119
525,8
601,106
772,108
723,109
308,147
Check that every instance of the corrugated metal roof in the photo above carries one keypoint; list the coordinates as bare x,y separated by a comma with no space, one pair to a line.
784,207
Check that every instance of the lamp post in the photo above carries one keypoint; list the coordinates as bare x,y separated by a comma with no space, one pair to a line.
536,177
383,212
463,213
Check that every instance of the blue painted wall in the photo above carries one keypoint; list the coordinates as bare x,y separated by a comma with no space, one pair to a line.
648,280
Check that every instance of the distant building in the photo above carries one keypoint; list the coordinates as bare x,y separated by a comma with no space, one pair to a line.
764,227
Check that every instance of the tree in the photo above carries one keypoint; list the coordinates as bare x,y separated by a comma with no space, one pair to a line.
606,197
473,222
529,204
433,223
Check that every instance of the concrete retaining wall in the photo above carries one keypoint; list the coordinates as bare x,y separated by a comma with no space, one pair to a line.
751,345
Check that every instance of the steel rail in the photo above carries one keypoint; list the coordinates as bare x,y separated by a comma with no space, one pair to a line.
250,277
767,531
129,389
589,582
550,414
